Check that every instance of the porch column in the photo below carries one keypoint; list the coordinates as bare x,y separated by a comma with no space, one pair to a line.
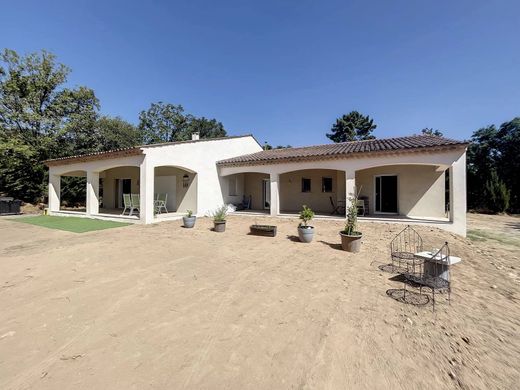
275,194
54,191
92,192
458,195
350,188
146,184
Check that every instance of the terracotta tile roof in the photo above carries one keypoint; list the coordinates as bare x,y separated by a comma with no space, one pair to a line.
344,149
136,150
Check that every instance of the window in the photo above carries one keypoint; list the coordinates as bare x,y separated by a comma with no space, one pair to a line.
306,185
326,184
232,190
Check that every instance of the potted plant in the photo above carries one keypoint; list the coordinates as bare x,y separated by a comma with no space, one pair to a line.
306,232
189,219
350,237
219,218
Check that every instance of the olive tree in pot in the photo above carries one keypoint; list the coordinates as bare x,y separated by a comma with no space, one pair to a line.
306,232
350,237
189,219
219,217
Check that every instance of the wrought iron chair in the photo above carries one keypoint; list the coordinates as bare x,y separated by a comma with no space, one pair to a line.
434,274
336,209
403,248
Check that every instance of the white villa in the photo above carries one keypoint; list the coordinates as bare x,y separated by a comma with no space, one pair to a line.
417,179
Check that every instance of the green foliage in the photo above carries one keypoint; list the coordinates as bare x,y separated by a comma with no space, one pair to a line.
269,147
39,119
116,133
492,159
306,215
189,213
352,214
352,127
220,214
165,122
431,131
496,194
70,224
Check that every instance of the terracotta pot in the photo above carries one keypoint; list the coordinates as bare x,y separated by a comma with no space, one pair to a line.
219,226
306,233
351,243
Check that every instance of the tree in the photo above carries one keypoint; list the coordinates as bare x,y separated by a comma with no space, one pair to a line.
494,152
352,127
270,147
38,119
496,194
431,131
165,122
207,128
115,133
162,122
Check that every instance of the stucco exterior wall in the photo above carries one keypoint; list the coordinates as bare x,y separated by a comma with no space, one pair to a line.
292,198
420,189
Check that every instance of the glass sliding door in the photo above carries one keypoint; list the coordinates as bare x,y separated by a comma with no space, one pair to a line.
386,194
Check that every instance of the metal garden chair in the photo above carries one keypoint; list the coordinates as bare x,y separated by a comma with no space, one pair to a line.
403,248
434,274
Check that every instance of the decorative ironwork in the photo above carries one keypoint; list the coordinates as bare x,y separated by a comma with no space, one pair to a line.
434,274
403,248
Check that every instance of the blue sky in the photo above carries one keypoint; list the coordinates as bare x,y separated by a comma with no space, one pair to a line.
284,70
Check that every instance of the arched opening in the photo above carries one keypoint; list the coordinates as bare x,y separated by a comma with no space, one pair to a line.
73,191
175,190
114,183
248,191
411,190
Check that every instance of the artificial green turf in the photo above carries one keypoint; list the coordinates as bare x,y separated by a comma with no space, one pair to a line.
70,224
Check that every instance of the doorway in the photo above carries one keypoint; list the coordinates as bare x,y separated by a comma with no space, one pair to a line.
266,194
386,194
123,186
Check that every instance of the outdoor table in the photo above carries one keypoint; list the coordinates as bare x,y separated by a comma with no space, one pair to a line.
431,264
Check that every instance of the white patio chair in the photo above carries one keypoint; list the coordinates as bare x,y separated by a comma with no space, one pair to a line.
127,202
160,203
136,203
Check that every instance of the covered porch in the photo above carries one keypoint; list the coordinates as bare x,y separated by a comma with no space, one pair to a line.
125,190
426,189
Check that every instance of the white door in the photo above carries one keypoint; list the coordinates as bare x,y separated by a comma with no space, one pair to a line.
266,191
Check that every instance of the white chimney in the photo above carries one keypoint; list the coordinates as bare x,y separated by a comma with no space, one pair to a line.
195,136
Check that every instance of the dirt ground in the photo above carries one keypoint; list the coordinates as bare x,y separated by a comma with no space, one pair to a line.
162,307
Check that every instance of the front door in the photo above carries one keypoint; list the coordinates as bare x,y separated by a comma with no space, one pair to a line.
266,191
386,194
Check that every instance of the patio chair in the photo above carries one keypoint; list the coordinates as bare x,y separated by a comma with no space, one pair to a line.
127,203
336,209
160,203
434,274
136,202
360,206
403,248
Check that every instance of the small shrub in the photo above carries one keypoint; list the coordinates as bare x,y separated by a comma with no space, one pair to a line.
496,194
352,212
306,215
189,213
220,214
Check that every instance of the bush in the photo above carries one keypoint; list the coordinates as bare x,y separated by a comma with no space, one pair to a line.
306,215
496,194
